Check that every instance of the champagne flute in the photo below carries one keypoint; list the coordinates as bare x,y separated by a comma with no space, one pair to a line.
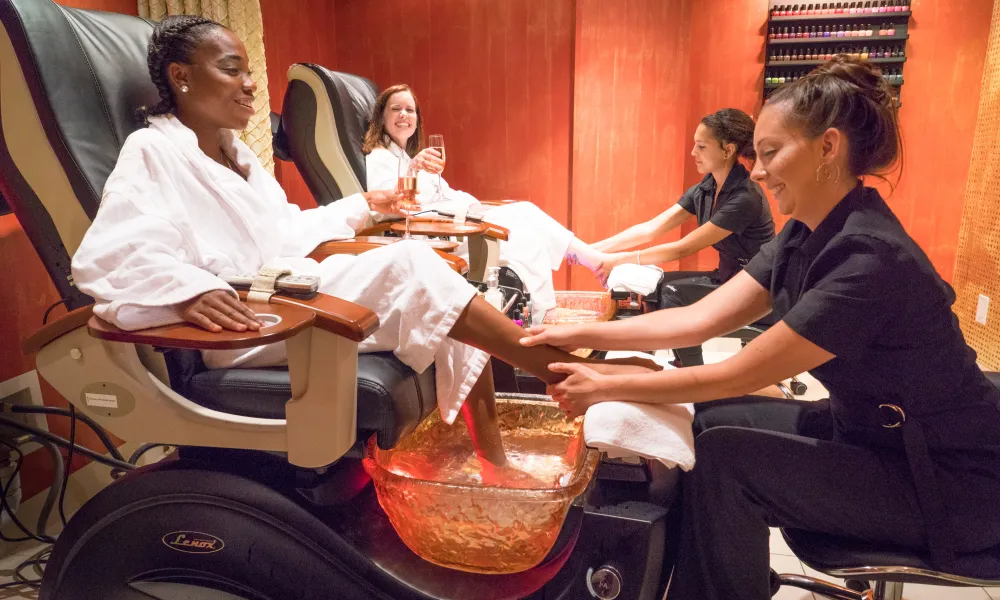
406,185
436,142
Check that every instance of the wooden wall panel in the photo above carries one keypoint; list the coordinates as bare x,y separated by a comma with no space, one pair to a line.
295,31
631,96
495,78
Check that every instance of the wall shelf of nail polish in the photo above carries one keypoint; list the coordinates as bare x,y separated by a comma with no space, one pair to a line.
842,40
836,18
791,32
813,63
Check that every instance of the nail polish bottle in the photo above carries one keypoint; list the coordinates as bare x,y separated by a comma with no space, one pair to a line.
799,33
905,5
825,10
867,8
864,53
869,31
839,10
841,31
891,30
826,31
897,5
883,29
856,31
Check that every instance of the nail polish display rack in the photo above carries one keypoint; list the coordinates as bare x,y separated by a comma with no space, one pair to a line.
802,36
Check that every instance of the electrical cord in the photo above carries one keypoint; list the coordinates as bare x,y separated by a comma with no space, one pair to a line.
45,317
65,412
55,439
69,465
50,497
6,507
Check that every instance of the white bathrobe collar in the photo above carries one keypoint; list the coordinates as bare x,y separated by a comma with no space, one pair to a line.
259,187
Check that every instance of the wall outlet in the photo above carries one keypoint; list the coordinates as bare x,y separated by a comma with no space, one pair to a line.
982,308
23,389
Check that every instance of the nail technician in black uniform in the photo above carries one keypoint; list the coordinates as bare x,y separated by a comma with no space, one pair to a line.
732,213
906,451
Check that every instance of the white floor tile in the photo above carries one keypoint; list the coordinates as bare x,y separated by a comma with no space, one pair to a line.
913,591
994,592
778,545
789,564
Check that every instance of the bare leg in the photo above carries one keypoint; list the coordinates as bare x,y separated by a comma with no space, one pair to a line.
480,414
486,328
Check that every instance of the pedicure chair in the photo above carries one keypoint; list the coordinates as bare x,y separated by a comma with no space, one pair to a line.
265,498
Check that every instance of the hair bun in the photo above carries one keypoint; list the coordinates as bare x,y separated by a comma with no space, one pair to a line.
863,75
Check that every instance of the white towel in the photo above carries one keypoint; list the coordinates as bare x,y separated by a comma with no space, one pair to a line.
639,279
661,432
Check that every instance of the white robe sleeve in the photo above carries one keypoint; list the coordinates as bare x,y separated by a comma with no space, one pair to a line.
137,266
303,230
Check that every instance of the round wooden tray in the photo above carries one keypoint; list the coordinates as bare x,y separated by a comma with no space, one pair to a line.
441,228
442,245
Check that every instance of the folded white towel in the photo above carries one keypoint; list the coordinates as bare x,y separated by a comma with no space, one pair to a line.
660,432
639,279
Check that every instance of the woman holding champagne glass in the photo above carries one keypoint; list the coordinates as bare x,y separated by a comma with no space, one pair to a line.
537,244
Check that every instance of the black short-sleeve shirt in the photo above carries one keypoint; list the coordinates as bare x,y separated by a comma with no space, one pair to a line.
859,287
742,209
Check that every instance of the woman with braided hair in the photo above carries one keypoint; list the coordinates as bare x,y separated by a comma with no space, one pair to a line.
188,202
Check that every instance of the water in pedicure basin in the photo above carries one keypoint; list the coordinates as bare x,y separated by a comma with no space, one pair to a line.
452,513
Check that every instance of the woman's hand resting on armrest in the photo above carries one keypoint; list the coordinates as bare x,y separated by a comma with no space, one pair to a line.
217,310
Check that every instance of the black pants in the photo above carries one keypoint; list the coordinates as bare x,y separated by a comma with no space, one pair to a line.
683,288
762,463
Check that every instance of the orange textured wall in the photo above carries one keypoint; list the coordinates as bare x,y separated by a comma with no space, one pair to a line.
940,95
295,31
495,78
631,89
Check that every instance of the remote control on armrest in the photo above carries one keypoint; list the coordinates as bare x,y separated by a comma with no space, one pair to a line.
474,216
293,284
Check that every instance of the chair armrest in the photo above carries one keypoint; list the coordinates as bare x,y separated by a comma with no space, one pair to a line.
353,247
340,317
496,232
364,244
186,336
56,329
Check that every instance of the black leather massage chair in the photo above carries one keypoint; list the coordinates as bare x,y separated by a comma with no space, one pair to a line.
267,479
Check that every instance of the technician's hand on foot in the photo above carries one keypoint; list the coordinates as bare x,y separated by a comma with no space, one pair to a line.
583,388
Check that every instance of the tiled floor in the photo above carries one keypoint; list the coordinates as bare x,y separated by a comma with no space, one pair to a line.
783,561
7,566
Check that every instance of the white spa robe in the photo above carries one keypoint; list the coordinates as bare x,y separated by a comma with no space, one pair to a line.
535,247
172,219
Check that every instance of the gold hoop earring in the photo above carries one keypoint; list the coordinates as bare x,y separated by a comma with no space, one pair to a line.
824,173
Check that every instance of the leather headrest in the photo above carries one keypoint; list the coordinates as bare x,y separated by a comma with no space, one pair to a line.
328,153
88,76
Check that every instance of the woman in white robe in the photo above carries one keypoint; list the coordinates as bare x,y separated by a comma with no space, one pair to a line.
537,244
188,202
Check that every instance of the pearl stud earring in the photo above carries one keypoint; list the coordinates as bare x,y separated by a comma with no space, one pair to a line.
185,88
